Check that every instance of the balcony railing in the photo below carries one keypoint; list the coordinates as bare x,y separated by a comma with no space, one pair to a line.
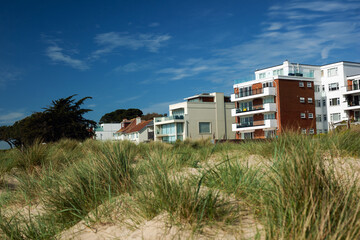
99,129
352,87
175,117
302,74
249,93
249,109
251,124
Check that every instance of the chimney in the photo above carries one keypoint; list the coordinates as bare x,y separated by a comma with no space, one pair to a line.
138,120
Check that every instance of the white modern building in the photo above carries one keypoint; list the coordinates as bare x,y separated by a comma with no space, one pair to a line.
299,96
105,131
207,115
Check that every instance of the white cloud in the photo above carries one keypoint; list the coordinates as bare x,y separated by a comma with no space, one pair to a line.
132,67
297,31
129,99
112,40
154,24
56,54
11,117
8,75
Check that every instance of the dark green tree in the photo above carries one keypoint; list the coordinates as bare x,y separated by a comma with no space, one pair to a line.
118,115
150,116
63,119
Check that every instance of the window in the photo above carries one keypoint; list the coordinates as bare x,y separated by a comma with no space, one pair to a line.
302,100
319,131
317,103
334,101
269,100
322,73
269,116
301,84
302,115
325,117
311,131
303,131
204,127
318,117
332,72
334,117
267,84
323,88
333,86
311,115
317,88
278,72
308,84
310,100
324,102
262,75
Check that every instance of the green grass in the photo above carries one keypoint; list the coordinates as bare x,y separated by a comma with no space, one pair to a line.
295,190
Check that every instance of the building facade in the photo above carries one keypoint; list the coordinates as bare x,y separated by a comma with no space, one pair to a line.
300,97
202,116
135,130
105,131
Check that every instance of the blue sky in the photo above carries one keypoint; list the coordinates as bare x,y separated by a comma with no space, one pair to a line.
149,54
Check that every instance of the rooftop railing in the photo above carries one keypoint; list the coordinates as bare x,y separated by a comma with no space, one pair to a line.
163,119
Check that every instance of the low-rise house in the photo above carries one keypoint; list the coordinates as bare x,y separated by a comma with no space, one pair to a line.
105,131
207,115
135,130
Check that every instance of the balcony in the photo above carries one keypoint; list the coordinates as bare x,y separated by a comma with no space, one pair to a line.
352,89
256,93
170,119
353,106
267,124
262,108
99,129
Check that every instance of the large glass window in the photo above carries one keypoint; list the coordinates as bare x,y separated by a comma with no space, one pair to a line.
168,129
334,117
180,128
178,112
332,72
269,99
333,86
204,127
317,103
269,116
245,106
334,101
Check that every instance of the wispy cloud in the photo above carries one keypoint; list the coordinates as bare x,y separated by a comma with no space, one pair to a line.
11,117
133,67
57,55
112,40
129,99
8,75
154,24
298,30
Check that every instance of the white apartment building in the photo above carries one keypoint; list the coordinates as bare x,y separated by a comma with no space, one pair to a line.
291,95
202,116
105,131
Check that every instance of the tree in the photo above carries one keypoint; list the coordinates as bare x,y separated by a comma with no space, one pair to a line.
5,135
120,114
63,119
151,116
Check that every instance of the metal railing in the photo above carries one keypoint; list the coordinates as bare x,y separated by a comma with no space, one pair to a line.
249,109
352,87
175,117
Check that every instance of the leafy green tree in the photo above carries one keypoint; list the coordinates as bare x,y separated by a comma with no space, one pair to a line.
5,135
150,116
118,115
63,119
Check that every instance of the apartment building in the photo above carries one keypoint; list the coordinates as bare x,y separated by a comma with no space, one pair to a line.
301,97
352,96
207,115
105,131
